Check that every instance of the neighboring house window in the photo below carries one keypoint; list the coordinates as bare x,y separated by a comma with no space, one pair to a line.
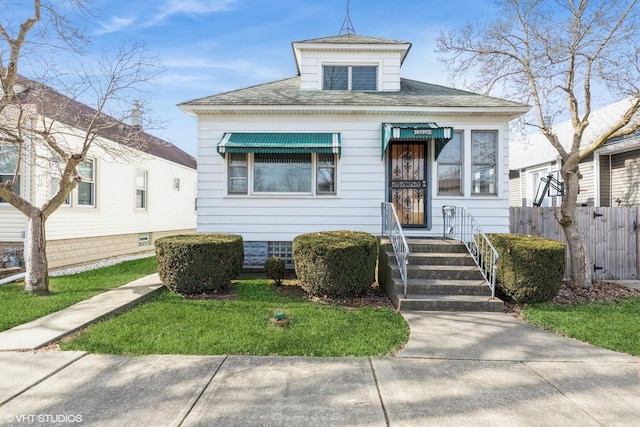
141,189
144,239
87,187
536,184
450,167
54,187
176,184
306,174
484,152
8,166
342,77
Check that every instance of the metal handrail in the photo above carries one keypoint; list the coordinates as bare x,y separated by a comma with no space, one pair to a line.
459,224
391,227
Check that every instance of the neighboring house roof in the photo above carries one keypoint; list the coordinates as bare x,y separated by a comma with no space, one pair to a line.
412,93
54,105
535,149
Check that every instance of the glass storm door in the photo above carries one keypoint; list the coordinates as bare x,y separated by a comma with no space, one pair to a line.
408,185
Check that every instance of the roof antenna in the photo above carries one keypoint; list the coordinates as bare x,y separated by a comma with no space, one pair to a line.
347,25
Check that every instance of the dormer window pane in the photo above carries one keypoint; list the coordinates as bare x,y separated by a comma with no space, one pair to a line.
364,78
336,78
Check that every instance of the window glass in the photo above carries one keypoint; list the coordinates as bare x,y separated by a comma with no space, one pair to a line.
8,160
86,187
282,173
8,165
326,174
364,78
335,77
450,166
54,187
485,153
141,189
238,173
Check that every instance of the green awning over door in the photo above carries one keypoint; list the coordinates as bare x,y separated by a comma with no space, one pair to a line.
280,143
418,132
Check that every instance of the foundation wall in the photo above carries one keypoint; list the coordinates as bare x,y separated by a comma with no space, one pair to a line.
72,252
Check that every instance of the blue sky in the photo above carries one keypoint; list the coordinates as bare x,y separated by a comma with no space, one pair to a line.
213,46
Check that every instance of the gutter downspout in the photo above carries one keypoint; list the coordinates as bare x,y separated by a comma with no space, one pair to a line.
13,278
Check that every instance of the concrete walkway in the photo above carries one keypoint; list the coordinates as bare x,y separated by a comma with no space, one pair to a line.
458,369
48,329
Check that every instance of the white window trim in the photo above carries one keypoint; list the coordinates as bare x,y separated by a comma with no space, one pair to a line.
94,187
260,194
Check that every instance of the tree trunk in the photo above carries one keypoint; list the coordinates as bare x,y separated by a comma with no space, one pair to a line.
580,264
37,277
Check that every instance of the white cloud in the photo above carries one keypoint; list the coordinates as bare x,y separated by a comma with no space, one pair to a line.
114,25
190,7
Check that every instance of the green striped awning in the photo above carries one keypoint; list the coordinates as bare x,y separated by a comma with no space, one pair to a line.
416,131
281,143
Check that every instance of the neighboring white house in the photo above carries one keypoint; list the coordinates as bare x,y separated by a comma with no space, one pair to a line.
322,150
610,176
127,199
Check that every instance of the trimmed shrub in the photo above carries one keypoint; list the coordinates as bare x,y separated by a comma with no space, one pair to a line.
530,269
199,263
335,263
274,269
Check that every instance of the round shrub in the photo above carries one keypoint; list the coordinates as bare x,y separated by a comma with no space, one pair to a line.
199,263
530,269
274,269
335,263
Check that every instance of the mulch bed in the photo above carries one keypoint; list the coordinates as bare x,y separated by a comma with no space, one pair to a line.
598,292
374,297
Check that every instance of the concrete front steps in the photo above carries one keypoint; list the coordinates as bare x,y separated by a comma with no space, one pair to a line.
442,276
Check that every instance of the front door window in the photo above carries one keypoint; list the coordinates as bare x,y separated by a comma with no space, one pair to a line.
408,185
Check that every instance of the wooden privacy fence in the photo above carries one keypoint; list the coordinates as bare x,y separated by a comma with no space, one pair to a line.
612,235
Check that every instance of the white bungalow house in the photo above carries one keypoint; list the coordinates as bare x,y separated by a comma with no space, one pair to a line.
323,149
129,196
609,177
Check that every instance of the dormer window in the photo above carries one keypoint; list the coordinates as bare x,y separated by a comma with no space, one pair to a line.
351,77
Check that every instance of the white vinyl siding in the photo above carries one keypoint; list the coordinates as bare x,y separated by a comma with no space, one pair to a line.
387,65
360,180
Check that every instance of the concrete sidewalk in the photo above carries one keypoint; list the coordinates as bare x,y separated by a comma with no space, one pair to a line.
48,329
471,369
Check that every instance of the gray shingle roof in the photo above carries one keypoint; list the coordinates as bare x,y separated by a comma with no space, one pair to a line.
412,93
56,106
353,39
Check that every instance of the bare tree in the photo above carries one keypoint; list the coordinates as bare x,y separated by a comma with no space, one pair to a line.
41,127
561,56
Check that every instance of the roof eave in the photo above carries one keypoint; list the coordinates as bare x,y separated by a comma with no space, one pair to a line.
510,111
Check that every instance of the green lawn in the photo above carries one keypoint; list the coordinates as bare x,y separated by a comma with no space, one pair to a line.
612,325
18,306
170,324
